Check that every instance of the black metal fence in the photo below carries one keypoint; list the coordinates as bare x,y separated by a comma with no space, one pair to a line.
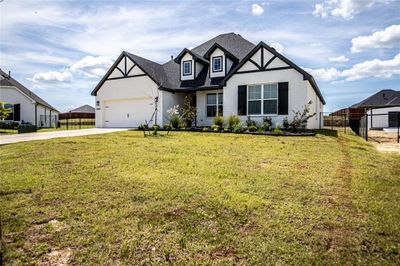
76,123
379,127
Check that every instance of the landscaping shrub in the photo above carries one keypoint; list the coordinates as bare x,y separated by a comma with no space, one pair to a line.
206,129
278,131
250,122
8,125
285,124
167,127
238,128
143,127
219,121
300,119
215,127
252,128
233,120
266,124
175,121
155,127
26,128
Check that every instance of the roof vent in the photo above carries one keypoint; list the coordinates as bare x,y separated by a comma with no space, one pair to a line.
172,57
9,75
384,96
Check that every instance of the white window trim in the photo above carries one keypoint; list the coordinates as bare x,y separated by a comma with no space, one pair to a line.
216,103
221,62
183,68
262,99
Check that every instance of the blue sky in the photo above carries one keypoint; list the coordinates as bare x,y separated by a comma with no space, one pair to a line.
61,49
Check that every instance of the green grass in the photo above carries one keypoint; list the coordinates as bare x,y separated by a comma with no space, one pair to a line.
198,198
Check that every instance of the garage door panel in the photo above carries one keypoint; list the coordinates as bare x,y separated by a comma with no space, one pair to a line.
127,113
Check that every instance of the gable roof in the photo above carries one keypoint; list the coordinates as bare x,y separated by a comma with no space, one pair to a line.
383,98
306,75
10,81
193,54
84,109
167,75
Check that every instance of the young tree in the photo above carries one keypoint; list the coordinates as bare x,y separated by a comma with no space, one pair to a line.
4,112
189,113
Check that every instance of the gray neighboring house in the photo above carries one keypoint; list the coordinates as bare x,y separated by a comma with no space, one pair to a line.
383,109
84,109
26,106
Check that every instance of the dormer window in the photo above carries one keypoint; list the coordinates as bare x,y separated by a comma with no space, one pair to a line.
187,68
217,64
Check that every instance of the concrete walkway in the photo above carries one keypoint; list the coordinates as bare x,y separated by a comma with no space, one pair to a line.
8,139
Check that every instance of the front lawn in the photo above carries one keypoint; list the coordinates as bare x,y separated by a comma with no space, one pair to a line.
199,198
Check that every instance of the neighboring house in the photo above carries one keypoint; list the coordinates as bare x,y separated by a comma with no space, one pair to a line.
85,111
227,75
382,108
26,106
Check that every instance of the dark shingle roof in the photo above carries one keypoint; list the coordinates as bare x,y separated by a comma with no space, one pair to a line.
84,109
383,98
12,82
167,75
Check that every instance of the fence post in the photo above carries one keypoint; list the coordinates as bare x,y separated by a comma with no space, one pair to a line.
80,123
366,127
67,123
332,121
398,127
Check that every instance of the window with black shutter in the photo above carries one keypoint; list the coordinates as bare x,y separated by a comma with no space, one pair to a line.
17,112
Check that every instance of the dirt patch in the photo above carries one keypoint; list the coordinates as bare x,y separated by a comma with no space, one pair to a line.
58,257
380,136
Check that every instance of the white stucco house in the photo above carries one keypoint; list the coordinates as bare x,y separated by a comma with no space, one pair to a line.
383,109
26,106
227,75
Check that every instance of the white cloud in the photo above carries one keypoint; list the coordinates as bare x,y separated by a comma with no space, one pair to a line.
374,68
277,46
389,37
346,9
93,66
52,76
256,9
323,74
341,58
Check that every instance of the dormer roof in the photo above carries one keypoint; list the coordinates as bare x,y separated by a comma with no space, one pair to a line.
197,57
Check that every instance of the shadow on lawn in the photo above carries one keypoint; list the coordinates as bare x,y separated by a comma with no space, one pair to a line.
327,132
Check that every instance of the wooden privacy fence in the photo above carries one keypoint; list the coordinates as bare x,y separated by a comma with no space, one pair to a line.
76,120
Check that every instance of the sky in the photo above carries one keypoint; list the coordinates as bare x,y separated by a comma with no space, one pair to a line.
61,49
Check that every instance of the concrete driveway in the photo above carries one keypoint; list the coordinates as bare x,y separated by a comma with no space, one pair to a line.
8,139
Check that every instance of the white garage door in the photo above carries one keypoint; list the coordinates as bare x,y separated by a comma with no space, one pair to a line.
128,113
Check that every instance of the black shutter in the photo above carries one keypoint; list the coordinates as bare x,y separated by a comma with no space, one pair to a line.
283,98
17,112
242,100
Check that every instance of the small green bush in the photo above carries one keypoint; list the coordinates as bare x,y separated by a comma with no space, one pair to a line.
266,124
175,121
155,127
215,127
219,121
250,122
8,125
143,127
206,129
285,124
252,128
26,128
238,128
167,127
278,131
233,120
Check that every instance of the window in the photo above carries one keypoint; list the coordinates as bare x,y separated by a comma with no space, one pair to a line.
214,104
217,64
11,114
187,68
262,99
